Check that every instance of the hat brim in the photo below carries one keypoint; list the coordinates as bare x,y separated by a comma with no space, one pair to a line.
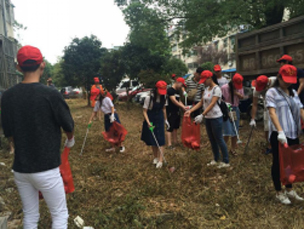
279,60
162,91
202,81
289,79
260,87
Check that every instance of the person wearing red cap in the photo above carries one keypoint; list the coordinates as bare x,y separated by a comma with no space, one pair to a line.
232,93
155,118
214,119
33,116
261,86
286,112
299,85
218,72
173,110
96,90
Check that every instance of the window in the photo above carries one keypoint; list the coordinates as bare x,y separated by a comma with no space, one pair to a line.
177,57
225,42
174,48
193,65
232,43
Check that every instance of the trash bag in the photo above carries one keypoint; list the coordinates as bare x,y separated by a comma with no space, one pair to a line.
65,171
291,163
191,136
116,134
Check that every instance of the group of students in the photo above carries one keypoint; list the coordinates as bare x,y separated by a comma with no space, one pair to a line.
33,115
164,106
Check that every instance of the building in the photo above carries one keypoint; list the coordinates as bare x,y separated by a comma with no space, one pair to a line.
8,46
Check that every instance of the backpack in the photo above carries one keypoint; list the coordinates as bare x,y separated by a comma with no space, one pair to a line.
224,109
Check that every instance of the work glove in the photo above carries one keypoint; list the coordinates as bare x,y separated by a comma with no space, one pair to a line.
199,119
112,118
185,94
282,138
69,143
167,124
252,123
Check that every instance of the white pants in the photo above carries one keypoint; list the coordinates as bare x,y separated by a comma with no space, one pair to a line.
51,186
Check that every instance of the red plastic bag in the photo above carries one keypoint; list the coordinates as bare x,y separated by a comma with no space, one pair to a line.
191,136
66,173
116,134
291,163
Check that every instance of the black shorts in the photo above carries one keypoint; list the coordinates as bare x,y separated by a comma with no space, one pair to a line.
174,121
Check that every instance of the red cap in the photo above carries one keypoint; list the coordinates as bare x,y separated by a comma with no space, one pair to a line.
285,57
238,81
29,56
173,75
96,80
162,87
205,75
289,73
181,80
217,68
260,83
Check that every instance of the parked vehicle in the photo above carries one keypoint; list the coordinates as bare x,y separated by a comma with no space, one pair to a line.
65,91
126,83
132,93
71,93
140,97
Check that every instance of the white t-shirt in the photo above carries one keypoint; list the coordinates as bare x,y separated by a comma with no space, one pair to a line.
222,81
257,94
106,106
147,102
215,112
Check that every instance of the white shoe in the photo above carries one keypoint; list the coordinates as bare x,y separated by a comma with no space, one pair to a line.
122,149
155,161
282,197
159,165
223,165
292,194
212,163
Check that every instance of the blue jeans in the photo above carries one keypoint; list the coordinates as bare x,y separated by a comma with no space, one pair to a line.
215,133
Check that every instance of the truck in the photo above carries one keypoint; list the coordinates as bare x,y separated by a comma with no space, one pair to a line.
257,51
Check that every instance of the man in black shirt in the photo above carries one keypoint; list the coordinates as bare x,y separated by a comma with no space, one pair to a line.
32,117
173,106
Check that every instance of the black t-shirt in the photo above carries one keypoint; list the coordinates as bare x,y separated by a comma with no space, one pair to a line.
33,115
300,75
172,108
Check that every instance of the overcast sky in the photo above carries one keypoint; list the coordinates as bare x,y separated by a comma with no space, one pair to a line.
52,24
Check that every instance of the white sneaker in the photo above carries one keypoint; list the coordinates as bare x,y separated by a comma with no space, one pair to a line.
282,197
223,165
122,149
292,194
212,163
159,165
155,161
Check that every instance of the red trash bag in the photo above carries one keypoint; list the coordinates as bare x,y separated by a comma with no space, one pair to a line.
66,173
291,163
191,136
116,134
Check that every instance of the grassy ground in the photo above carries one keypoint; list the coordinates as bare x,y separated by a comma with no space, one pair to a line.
115,190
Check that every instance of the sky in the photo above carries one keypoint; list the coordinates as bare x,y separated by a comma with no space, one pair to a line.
52,24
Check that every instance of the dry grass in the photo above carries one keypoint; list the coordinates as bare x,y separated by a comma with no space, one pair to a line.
116,190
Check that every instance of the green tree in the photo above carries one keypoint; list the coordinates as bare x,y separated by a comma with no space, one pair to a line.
47,72
175,66
81,61
208,66
149,78
199,21
112,69
57,75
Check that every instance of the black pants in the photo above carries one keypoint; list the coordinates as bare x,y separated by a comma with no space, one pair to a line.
275,169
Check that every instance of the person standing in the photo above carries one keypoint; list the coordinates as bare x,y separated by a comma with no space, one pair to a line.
96,90
286,112
106,106
155,117
232,93
50,83
299,86
32,117
218,72
173,110
195,90
214,119
261,86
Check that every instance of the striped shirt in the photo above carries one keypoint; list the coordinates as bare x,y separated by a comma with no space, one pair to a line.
191,84
290,121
